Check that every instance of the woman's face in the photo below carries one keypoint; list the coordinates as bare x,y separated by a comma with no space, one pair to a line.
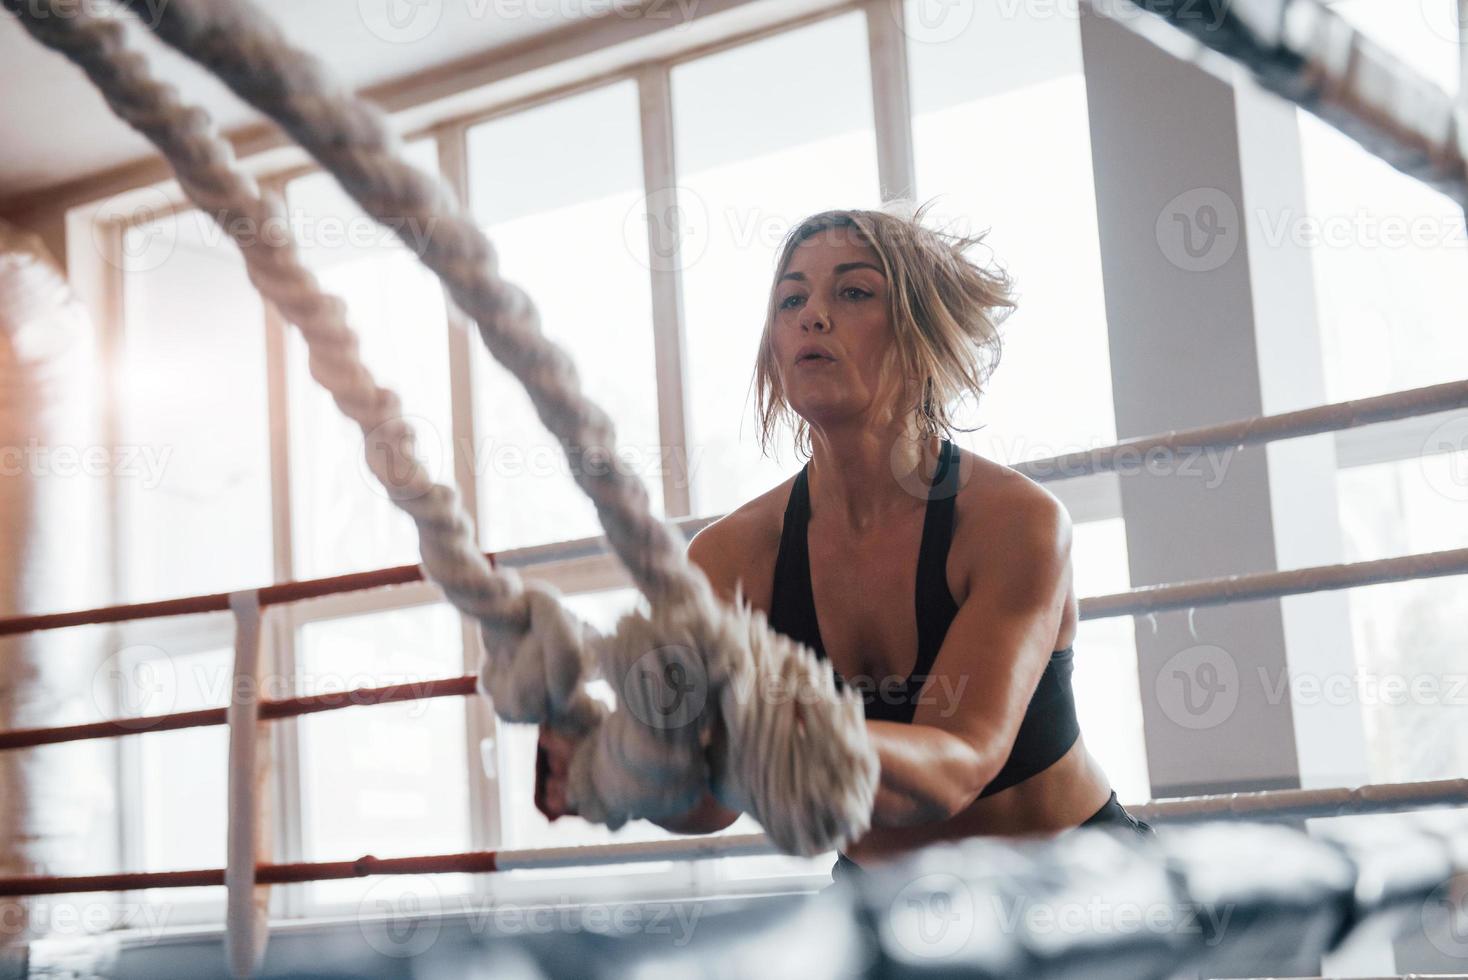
833,327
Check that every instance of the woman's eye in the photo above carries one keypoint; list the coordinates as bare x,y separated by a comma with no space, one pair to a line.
789,301
860,293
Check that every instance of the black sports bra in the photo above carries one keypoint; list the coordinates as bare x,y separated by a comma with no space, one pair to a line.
1049,727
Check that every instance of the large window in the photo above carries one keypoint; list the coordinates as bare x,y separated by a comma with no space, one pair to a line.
767,134
1002,139
566,227
172,785
388,779
1391,269
195,508
1424,35
1390,260
343,519
1413,686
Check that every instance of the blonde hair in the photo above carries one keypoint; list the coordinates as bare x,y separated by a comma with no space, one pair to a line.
946,311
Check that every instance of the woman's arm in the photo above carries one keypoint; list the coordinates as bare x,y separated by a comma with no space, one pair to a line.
708,815
972,703
554,751
996,649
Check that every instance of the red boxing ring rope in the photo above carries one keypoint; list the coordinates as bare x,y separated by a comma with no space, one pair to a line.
207,717
270,595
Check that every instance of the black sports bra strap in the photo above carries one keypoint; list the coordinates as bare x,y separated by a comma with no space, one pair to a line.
794,605
934,603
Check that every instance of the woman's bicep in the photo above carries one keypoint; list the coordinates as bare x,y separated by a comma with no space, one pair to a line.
1001,638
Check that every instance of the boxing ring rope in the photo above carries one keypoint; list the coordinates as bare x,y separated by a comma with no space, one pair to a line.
1299,804
1311,56
217,602
1317,420
1250,586
469,862
1145,600
270,710
1376,799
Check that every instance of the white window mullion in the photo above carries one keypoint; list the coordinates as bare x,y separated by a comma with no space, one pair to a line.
278,396
891,105
660,185
279,635
285,746
481,727
108,308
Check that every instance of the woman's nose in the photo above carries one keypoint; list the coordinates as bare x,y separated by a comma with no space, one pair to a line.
813,318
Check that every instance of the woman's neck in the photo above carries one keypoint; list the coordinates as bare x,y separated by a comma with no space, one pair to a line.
860,479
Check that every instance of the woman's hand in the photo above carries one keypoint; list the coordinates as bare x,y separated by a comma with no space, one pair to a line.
553,753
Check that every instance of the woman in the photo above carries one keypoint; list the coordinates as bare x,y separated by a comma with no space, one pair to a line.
937,583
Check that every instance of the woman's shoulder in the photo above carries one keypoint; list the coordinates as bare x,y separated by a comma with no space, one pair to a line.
740,547
1002,515
984,482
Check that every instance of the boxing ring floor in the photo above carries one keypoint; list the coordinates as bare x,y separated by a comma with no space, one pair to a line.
1197,901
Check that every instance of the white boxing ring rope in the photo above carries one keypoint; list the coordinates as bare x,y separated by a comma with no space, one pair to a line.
1234,436
1310,55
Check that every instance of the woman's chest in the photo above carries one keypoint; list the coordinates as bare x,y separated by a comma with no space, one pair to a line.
864,594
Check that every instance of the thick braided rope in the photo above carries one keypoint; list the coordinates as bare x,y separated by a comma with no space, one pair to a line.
809,779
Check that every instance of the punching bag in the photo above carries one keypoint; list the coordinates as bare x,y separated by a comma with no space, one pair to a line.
57,803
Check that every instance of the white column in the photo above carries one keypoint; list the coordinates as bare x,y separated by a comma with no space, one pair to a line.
1211,319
